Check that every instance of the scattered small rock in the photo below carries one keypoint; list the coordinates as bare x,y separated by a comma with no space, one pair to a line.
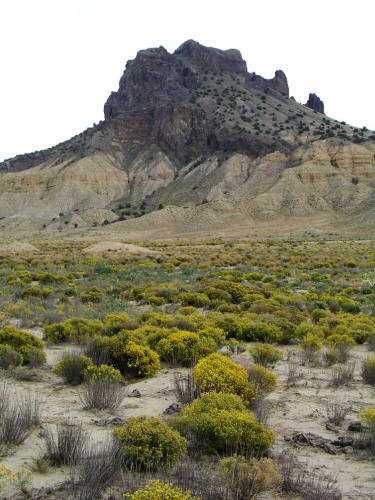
136,393
330,448
348,449
343,441
103,422
330,427
355,426
173,408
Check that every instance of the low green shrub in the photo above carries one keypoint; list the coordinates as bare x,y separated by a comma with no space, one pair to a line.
263,379
9,357
252,331
246,479
193,299
114,323
24,343
127,355
78,330
311,345
368,370
72,368
265,354
149,443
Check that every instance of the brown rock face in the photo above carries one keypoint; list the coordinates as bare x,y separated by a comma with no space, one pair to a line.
159,86
315,103
279,83
218,147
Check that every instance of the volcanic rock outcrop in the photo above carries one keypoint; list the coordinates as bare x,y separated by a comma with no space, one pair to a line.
191,142
315,103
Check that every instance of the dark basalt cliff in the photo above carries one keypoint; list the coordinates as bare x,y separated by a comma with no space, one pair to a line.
159,86
315,103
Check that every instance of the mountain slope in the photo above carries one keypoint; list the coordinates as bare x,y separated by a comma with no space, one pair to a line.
219,147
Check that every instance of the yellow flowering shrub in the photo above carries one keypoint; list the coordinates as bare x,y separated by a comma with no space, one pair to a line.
185,347
336,339
305,329
153,300
193,299
157,490
368,418
24,343
311,342
263,379
259,331
78,330
212,332
265,354
21,478
150,443
139,360
222,424
218,373
114,323
5,476
92,372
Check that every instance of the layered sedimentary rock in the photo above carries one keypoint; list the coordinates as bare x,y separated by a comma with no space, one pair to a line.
191,142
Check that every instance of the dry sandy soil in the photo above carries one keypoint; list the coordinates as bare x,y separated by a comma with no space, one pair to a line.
115,246
300,408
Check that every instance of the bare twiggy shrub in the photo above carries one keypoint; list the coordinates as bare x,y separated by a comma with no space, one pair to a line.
308,487
97,470
102,394
293,374
18,419
4,398
318,487
247,479
289,469
261,409
365,441
201,478
342,374
71,367
311,355
67,445
9,357
368,370
25,373
343,352
336,412
185,389
99,357
371,343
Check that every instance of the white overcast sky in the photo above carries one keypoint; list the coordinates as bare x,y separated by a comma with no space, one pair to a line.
60,59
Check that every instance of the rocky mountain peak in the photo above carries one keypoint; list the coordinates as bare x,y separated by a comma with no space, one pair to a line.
215,145
279,83
315,103
211,59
